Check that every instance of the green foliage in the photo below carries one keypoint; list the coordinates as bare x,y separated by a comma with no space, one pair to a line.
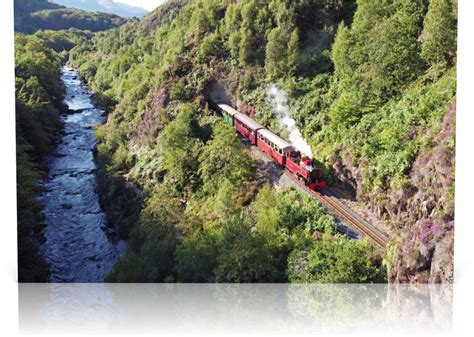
210,46
365,85
380,53
63,40
245,47
180,91
23,9
293,52
38,92
276,52
221,159
31,266
33,15
196,257
121,203
152,244
289,210
179,145
130,269
439,32
244,256
338,261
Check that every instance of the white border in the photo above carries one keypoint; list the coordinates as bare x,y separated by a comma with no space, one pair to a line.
464,175
8,252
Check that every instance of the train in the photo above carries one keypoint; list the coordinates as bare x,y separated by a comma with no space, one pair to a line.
282,152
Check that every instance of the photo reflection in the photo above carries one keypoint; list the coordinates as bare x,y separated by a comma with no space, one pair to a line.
214,309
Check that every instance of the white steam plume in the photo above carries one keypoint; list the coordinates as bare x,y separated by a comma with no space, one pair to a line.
277,98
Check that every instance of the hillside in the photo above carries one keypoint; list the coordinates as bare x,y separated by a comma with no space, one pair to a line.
371,85
38,100
105,6
32,15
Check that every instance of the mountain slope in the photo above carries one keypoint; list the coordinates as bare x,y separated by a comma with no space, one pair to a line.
105,6
371,85
32,15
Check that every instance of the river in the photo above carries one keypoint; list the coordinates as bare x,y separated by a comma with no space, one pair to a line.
76,245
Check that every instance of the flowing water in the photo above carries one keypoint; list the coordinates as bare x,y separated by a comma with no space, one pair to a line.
76,245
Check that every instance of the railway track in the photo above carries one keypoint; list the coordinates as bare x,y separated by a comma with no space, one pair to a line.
338,209
326,198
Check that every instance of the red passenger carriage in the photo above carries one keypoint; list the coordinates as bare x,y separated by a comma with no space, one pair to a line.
247,127
274,146
279,149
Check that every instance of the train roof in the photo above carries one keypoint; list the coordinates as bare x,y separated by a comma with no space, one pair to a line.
248,121
230,110
281,143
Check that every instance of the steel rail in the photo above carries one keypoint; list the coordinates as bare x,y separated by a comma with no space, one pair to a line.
344,213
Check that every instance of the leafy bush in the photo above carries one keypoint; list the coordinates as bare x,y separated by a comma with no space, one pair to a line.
338,261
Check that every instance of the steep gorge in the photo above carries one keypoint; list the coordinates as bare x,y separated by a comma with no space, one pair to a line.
371,86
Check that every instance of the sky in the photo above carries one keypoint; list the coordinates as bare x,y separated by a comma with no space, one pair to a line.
147,4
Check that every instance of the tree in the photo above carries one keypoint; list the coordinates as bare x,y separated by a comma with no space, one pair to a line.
152,245
210,46
335,261
439,32
343,65
293,52
31,266
245,46
233,44
243,256
224,158
288,210
276,54
179,146
197,257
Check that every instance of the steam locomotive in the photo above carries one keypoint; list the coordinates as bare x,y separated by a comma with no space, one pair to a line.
279,149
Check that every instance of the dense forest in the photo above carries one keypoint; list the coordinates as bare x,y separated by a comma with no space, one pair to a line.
32,15
105,6
371,85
